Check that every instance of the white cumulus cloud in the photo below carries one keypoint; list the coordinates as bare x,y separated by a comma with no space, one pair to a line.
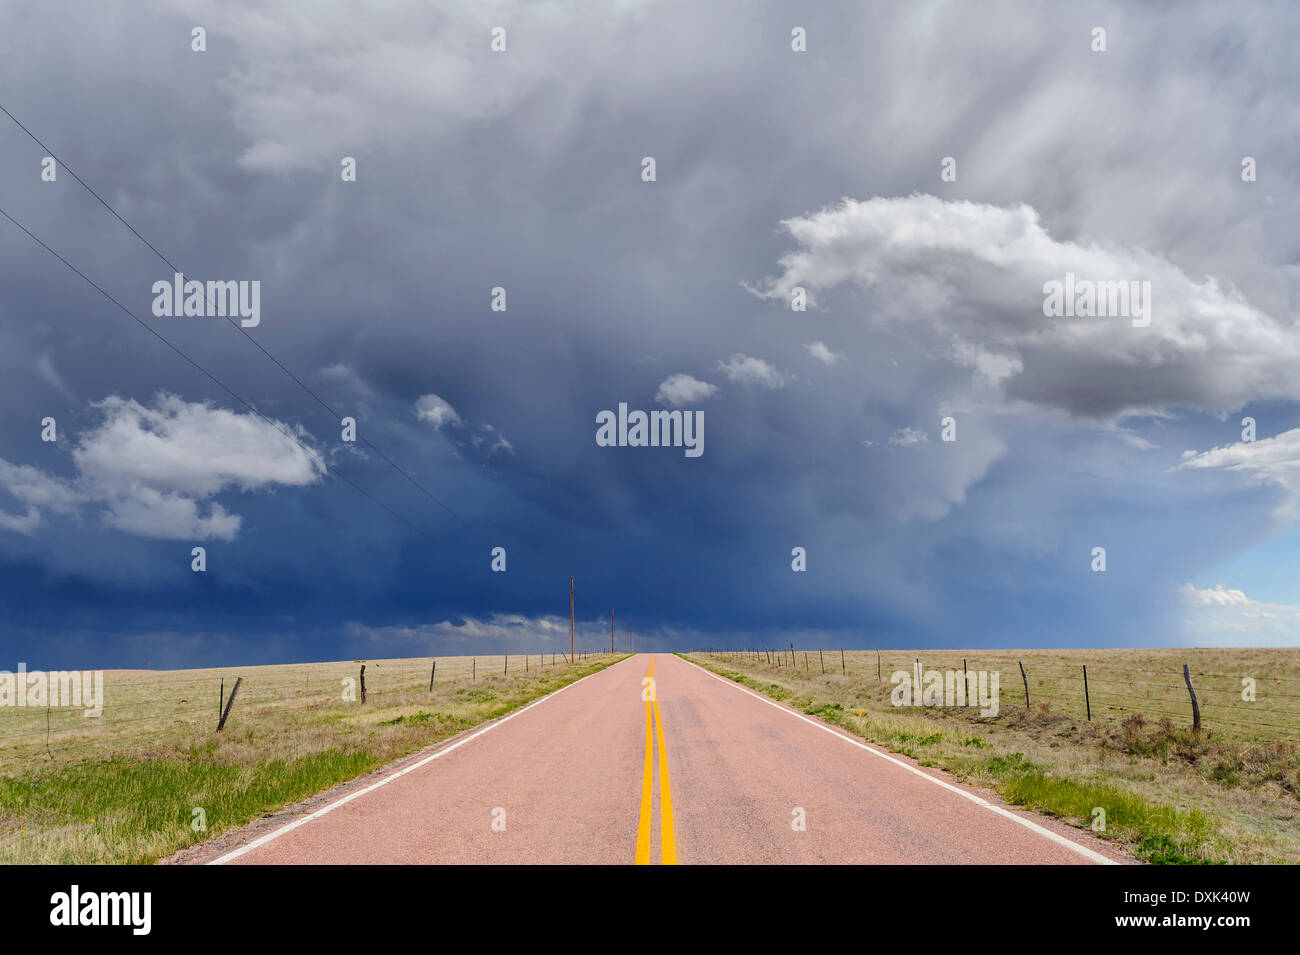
1216,596
435,410
823,354
748,371
974,274
1269,461
1219,616
152,471
908,438
680,390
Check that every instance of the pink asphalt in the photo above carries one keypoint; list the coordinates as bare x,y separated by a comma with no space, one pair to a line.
563,781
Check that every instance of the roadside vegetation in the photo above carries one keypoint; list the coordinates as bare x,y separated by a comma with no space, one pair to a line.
124,787
1227,794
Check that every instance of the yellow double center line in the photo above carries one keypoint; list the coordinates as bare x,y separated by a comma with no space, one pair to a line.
654,729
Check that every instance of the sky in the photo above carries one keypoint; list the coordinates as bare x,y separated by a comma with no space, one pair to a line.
841,261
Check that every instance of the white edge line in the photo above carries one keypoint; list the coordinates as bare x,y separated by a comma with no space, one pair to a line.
1084,851
289,827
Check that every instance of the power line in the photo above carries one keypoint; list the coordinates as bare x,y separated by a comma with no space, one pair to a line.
230,320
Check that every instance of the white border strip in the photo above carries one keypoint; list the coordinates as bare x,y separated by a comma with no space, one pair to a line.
1056,837
289,827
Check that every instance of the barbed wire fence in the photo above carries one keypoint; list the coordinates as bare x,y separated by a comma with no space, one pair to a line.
1251,703
140,714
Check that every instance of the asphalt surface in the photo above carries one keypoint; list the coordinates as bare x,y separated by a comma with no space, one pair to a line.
698,771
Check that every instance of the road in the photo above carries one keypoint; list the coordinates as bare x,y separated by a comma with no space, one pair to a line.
655,760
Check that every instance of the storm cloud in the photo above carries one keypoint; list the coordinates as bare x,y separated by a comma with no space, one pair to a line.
522,171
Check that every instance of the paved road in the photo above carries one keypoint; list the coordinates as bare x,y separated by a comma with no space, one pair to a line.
698,771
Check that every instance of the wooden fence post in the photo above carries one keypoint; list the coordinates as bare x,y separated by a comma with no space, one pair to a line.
225,714
822,660
221,700
843,668
1196,707
1026,679
877,666
473,673
363,683
432,674
1086,700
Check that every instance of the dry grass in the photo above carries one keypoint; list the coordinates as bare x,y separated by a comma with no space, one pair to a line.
122,787
1228,794
148,708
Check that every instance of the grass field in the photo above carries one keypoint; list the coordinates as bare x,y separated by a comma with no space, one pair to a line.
1228,794
123,787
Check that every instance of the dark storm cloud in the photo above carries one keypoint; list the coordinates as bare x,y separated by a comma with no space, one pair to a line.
522,170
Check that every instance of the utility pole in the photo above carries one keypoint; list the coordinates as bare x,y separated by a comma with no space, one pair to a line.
570,620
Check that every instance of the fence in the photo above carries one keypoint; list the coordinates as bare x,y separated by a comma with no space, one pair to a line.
1093,684
144,709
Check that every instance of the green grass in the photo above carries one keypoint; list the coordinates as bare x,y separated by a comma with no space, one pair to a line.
121,801
1170,796
125,810
1162,834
